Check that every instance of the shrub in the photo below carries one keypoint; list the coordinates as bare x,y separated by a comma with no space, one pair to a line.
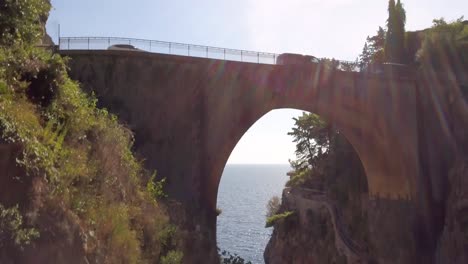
277,217
156,188
444,46
115,234
167,236
297,178
228,258
12,229
173,257
21,20
273,206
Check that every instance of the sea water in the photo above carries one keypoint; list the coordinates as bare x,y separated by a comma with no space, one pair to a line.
243,193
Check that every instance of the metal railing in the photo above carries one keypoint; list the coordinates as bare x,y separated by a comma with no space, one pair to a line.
174,48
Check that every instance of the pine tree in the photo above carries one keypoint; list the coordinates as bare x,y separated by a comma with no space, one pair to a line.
364,57
376,44
373,51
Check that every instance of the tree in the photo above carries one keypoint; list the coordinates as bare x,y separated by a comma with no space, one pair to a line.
400,21
310,133
377,43
312,137
325,160
373,51
390,38
349,65
330,64
273,206
365,57
395,38
445,46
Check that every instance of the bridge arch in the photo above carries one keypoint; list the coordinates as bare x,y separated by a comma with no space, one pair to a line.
348,100
236,138
233,194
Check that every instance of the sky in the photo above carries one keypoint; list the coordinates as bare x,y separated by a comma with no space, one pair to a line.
333,29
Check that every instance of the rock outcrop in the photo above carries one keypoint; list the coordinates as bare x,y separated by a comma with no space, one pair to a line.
314,234
453,243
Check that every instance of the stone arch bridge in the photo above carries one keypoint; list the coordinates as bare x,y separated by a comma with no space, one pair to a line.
189,113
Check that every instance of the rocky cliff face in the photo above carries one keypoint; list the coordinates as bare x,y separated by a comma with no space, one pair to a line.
306,237
390,231
318,232
453,243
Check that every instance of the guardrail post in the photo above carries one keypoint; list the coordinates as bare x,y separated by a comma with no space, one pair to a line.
88,43
108,42
224,54
274,58
68,43
258,57
207,52
241,55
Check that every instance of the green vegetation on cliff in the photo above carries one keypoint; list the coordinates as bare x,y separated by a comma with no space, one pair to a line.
445,45
326,161
277,217
227,257
77,167
12,229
